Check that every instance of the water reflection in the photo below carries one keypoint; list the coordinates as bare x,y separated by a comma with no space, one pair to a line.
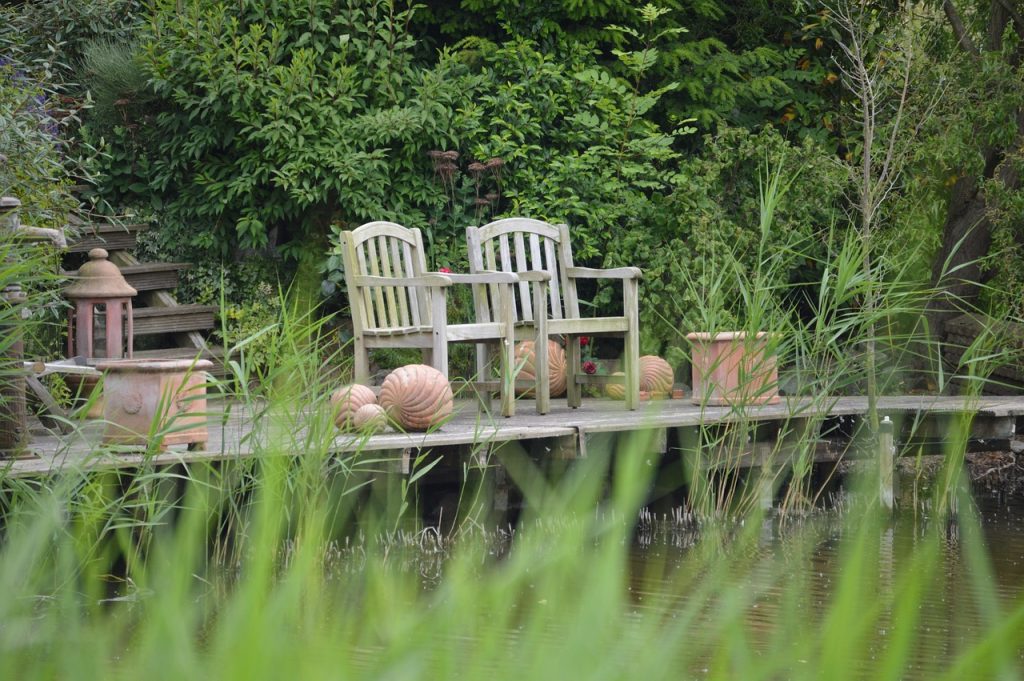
792,567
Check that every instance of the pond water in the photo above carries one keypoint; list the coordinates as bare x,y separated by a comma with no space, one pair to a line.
951,613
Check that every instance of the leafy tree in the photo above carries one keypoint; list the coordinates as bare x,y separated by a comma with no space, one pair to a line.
284,117
743,63
976,149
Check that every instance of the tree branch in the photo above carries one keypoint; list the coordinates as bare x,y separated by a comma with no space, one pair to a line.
1018,19
958,28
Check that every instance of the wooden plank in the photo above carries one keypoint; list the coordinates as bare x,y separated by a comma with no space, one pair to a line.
149,276
389,292
417,297
506,266
159,298
110,237
153,320
395,262
379,312
554,288
53,415
522,265
470,427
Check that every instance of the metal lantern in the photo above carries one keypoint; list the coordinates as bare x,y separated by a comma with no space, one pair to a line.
100,325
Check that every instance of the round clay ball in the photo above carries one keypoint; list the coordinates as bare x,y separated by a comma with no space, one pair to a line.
347,400
417,397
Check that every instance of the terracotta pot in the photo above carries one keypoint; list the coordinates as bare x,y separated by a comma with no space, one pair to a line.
732,368
165,397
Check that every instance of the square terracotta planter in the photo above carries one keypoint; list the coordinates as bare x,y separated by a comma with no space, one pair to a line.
166,397
733,368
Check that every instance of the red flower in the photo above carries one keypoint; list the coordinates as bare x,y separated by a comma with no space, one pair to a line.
444,270
584,341
589,367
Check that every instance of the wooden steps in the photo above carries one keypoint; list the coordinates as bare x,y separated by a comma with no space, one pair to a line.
110,237
155,312
150,276
158,320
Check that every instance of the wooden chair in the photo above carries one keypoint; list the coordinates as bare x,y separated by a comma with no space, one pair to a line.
524,245
396,303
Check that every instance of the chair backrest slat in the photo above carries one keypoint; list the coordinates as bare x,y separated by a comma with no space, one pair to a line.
554,290
572,303
368,309
522,265
381,310
476,264
417,303
384,251
490,263
399,271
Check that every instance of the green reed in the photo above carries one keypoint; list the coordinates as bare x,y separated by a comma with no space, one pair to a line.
294,561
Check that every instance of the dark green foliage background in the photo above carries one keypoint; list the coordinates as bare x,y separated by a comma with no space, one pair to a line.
252,132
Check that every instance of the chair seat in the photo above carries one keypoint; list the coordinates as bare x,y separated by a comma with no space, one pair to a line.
398,331
453,332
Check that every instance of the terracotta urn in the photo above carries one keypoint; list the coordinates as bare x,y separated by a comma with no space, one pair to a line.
524,356
347,400
656,376
417,397
733,368
159,402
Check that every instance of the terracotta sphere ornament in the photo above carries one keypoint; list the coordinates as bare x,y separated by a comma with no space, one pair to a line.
417,397
556,368
370,417
656,376
616,391
347,400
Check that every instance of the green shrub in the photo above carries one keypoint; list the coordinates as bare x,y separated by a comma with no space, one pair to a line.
576,145
283,118
709,227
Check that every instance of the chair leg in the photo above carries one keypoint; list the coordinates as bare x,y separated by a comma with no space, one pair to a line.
483,360
508,386
439,345
574,391
362,362
542,387
507,348
632,370
632,349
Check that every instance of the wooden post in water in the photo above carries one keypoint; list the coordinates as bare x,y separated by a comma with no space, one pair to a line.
886,464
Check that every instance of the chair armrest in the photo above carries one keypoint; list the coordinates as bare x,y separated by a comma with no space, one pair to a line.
534,275
617,273
423,280
484,277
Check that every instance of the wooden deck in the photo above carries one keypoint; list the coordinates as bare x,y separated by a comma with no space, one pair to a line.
230,426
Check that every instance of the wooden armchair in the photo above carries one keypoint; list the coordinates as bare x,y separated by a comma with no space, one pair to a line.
524,245
396,303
